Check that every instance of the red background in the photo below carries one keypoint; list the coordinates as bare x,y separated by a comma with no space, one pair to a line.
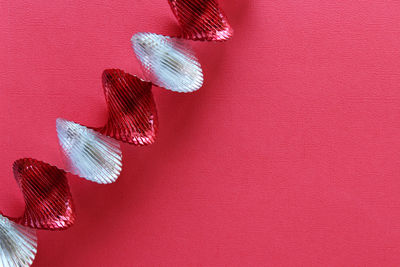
288,156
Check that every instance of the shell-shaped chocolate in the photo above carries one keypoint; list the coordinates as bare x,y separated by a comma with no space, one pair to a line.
168,62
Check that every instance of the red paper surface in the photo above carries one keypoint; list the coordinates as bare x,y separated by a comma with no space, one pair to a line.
288,156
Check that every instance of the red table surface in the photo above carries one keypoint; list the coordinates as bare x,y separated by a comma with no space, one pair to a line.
288,156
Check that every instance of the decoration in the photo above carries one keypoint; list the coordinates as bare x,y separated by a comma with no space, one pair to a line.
18,244
168,62
94,153
131,108
46,193
89,154
201,20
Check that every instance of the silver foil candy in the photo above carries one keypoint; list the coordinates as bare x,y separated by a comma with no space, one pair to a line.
89,154
168,62
17,244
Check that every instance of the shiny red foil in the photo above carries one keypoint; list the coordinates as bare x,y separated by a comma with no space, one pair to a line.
46,193
132,114
201,20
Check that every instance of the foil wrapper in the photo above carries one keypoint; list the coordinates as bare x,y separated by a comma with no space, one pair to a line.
201,20
17,244
89,154
168,62
46,193
132,114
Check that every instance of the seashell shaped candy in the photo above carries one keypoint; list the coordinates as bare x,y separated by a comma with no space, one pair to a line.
47,196
17,244
168,62
201,20
132,114
89,154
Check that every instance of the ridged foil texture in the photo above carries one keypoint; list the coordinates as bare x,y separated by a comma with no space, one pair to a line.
168,62
46,193
94,153
201,20
17,244
132,114
89,154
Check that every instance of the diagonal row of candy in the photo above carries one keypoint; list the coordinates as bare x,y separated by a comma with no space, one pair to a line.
94,153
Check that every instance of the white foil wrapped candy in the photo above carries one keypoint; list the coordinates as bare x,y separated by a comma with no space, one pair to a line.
17,244
168,62
90,155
